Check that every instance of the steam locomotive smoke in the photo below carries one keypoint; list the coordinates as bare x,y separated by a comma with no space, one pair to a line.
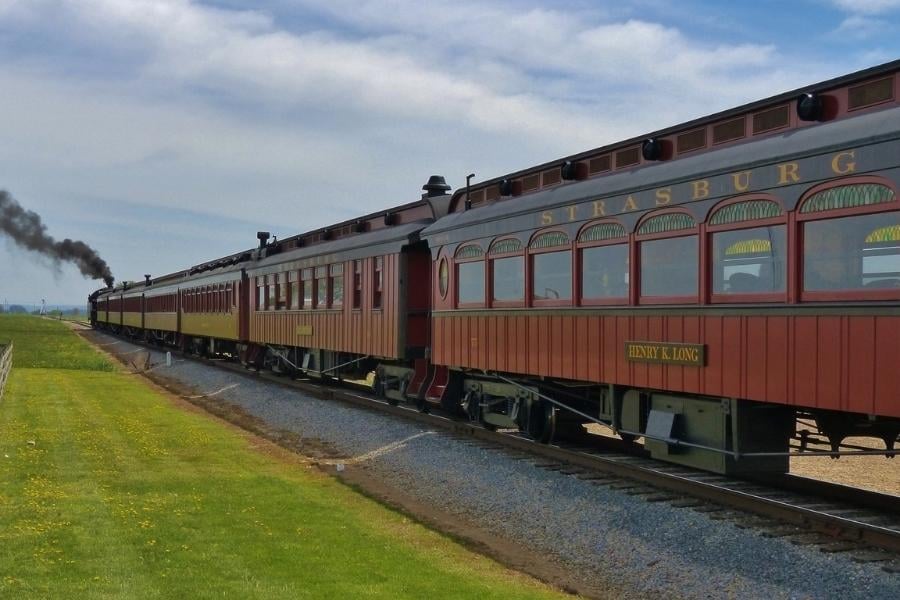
26,229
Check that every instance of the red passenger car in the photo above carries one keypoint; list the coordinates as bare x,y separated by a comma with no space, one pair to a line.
700,288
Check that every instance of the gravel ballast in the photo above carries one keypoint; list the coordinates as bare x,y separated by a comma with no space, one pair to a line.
651,548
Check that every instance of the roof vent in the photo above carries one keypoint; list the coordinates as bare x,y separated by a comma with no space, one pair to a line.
436,186
263,237
569,170
652,149
147,279
809,107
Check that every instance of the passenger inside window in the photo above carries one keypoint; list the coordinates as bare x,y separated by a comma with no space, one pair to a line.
552,276
858,252
750,261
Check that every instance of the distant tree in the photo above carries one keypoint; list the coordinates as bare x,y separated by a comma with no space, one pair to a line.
18,309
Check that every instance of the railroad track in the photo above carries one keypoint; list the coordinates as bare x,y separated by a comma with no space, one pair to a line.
834,517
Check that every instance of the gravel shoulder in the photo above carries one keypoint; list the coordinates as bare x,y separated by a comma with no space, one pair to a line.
588,538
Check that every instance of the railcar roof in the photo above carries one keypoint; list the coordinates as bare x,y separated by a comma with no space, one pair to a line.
834,92
864,129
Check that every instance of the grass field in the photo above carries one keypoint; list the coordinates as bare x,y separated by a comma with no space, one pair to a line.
109,489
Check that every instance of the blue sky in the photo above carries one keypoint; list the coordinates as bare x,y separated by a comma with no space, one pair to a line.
167,132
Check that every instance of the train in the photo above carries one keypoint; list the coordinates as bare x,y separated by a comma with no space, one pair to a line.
703,289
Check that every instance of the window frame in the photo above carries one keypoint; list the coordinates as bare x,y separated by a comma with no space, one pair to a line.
637,268
336,271
378,283
747,297
860,294
307,282
293,298
457,261
489,274
569,247
357,299
623,240
320,277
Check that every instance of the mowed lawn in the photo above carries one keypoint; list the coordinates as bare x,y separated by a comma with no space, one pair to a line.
108,489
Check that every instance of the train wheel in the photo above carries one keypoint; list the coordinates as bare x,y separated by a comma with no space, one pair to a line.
542,422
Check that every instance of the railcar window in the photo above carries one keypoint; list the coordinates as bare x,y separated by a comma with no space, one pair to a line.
508,278
307,288
321,287
282,292
357,284
552,276
377,282
337,286
260,293
604,272
669,267
294,295
272,293
750,261
852,253
470,278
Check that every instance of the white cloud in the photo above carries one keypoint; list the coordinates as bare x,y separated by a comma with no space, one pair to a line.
172,103
869,7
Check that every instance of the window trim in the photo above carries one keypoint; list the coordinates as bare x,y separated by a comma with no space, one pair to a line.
569,247
489,274
457,261
623,240
859,294
638,290
762,297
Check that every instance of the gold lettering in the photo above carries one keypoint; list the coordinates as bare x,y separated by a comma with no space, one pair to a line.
547,218
663,196
571,213
741,181
599,208
665,353
630,204
843,168
788,171
701,188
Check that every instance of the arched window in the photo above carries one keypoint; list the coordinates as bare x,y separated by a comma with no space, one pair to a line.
669,258
551,268
469,261
507,264
603,254
850,242
748,248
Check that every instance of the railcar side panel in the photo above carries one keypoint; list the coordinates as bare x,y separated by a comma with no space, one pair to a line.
840,362
161,321
365,331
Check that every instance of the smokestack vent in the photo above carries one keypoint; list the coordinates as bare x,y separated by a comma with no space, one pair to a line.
147,279
263,237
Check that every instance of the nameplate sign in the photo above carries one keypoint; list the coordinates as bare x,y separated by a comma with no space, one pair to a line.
693,355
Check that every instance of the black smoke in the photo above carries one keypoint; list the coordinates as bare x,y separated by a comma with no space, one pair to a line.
26,229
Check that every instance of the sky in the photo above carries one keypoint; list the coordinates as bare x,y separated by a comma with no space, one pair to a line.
165,133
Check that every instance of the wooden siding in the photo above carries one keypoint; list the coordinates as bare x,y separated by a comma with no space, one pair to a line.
846,363
223,326
161,321
132,319
364,331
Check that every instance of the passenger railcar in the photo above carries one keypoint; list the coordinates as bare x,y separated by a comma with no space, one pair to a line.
715,281
702,287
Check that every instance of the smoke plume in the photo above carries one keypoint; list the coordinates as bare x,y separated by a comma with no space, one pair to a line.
26,229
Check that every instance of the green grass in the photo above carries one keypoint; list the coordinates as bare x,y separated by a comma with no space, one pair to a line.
44,343
110,490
